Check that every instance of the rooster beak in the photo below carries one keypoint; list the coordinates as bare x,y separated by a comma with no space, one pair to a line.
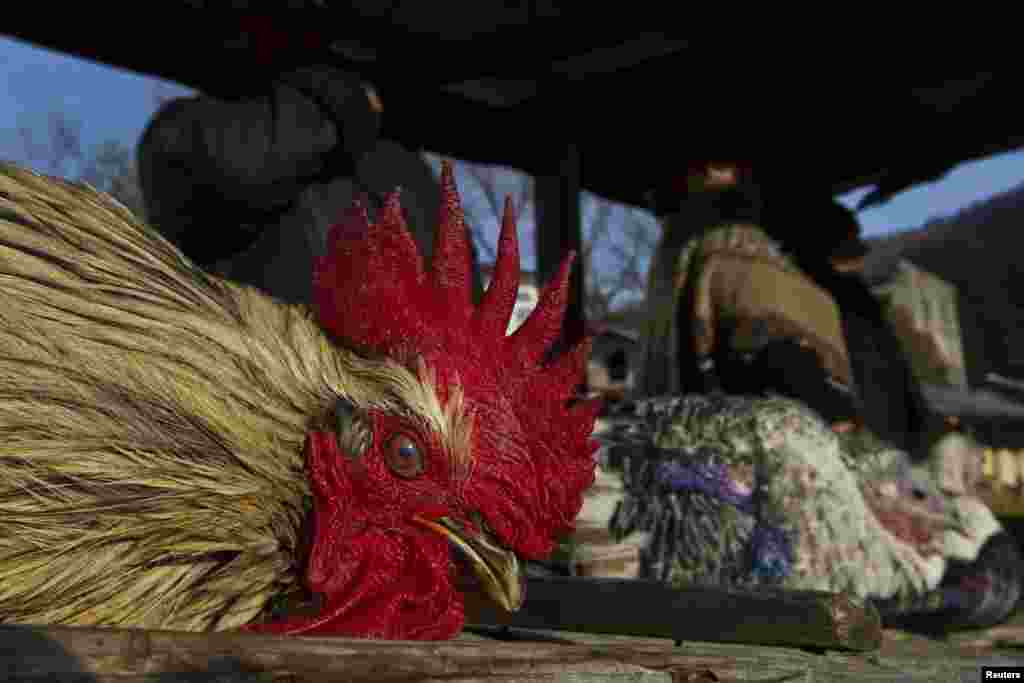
497,568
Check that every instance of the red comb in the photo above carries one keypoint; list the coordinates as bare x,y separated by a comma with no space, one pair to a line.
374,294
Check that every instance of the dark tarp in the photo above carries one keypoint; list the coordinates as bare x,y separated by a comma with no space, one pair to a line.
511,83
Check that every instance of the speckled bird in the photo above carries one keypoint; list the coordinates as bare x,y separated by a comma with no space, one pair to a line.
759,492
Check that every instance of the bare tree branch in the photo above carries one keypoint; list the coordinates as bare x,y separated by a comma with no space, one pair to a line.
617,242
66,136
598,229
494,191
60,145
483,199
109,167
486,186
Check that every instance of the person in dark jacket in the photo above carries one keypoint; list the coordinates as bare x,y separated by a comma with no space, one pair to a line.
248,187
892,404
730,312
760,294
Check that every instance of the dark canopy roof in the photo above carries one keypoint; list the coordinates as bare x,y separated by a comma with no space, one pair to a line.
510,85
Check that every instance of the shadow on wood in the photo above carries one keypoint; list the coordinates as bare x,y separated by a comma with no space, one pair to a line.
631,607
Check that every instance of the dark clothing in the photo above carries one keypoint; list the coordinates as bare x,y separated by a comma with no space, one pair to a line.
892,403
785,367
729,314
250,187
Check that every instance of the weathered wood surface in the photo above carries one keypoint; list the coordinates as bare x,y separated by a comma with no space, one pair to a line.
109,655
710,614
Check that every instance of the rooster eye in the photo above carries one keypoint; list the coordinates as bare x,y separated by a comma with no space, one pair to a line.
403,456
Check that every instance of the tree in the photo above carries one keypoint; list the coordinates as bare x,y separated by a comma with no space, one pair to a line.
617,246
493,184
111,169
617,241
109,166
57,149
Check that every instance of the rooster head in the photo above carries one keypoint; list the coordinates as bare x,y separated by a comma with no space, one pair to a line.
477,442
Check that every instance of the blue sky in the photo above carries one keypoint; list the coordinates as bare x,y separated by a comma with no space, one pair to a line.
111,104
115,104
964,185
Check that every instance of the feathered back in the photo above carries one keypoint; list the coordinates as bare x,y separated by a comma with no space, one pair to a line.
151,421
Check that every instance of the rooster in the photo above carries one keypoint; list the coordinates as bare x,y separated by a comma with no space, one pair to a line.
758,491
179,452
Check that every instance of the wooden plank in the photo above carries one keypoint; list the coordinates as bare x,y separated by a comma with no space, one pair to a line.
559,229
98,655
704,613
64,654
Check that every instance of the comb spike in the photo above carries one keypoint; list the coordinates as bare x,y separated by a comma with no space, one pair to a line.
370,267
499,300
371,294
392,212
453,261
567,372
542,328
354,220
392,220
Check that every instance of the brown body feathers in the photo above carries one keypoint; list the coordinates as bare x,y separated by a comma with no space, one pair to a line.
151,421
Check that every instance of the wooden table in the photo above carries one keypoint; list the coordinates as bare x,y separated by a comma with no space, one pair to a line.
109,655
